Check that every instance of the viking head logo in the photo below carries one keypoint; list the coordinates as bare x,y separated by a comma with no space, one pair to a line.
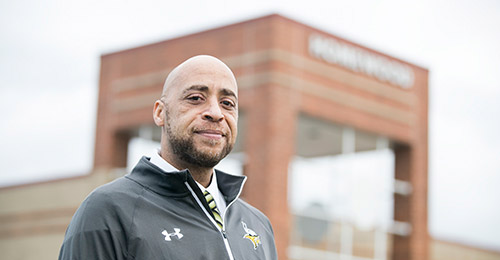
251,235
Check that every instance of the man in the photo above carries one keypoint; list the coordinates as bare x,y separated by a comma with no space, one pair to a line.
174,205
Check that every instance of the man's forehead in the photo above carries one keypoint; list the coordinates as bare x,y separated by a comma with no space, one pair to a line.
201,71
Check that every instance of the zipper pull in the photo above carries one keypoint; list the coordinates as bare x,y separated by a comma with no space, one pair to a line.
224,234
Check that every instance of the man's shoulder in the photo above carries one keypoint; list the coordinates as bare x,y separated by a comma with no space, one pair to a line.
117,193
122,186
106,204
106,214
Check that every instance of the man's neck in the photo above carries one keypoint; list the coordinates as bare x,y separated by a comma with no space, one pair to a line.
202,175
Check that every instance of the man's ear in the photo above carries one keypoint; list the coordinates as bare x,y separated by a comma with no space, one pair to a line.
159,113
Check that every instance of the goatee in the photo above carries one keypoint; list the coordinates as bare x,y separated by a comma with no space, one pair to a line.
187,152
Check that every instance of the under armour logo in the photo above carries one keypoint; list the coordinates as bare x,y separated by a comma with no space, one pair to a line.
177,232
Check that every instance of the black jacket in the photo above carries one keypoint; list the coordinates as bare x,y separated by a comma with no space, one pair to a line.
152,214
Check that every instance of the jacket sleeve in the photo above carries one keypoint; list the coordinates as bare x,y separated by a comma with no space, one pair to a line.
97,231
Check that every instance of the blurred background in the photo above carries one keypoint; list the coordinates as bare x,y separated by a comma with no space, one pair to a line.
372,166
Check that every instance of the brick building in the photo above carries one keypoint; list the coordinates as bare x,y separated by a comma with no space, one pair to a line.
304,94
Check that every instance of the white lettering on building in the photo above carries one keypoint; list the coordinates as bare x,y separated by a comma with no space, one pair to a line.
359,60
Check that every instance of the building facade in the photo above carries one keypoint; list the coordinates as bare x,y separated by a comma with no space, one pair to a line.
304,93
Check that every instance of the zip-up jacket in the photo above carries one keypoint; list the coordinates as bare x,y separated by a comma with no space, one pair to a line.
150,214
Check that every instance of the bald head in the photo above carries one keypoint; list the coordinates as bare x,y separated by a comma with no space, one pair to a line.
201,64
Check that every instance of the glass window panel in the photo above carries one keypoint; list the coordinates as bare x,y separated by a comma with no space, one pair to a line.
354,191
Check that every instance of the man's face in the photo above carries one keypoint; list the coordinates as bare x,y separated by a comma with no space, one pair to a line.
201,113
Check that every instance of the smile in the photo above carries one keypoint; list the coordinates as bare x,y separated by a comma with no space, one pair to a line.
212,134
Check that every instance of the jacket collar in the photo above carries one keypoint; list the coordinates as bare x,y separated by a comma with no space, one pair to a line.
172,183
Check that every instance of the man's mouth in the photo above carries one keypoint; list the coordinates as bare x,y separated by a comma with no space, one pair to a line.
212,134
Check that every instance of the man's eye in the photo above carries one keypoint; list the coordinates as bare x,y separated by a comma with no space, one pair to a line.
194,98
227,103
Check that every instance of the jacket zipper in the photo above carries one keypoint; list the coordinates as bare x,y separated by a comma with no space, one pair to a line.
226,242
222,231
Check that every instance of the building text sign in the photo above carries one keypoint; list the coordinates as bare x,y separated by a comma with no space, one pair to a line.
359,60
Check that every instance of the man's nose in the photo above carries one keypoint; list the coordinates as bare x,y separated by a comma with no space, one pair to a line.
213,112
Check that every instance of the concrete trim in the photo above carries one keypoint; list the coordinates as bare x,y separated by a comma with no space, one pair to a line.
35,222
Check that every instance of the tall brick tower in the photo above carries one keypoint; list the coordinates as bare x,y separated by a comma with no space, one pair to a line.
284,69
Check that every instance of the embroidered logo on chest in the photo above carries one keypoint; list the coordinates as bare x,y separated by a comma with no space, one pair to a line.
252,236
168,236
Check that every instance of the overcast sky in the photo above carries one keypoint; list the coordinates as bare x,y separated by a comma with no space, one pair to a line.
49,68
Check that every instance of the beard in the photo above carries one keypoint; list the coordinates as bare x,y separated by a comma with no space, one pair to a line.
187,151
